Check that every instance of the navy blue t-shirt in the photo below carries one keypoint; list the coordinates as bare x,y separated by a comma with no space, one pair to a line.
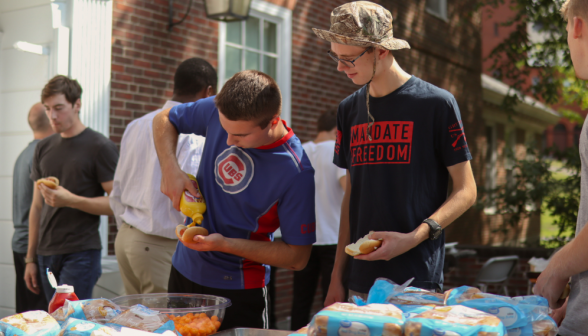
400,177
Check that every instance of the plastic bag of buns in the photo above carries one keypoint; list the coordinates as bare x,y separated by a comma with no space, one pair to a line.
348,319
31,323
517,312
454,321
94,310
412,310
142,318
417,296
77,327
540,323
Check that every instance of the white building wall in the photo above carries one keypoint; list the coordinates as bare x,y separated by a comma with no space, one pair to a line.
22,76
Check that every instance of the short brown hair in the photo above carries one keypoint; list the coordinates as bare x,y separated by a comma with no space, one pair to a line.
327,121
572,8
60,84
250,95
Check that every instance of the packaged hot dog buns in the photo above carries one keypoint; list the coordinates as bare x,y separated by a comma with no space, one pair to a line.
77,327
142,318
418,297
515,313
31,323
95,310
454,321
51,182
410,311
363,246
348,319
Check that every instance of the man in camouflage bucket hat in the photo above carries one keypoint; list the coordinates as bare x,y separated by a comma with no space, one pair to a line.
399,144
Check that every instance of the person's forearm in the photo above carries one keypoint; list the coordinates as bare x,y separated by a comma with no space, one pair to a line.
34,218
278,254
344,240
165,137
572,258
456,204
92,205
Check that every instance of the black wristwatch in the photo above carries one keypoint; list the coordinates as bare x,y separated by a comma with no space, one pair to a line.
436,229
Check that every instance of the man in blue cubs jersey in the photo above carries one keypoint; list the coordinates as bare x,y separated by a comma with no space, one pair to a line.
255,178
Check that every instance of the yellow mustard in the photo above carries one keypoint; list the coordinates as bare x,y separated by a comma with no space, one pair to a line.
193,206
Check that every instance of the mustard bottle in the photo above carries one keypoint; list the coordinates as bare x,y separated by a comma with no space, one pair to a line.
193,206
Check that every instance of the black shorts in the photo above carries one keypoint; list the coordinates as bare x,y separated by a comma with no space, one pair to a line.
249,307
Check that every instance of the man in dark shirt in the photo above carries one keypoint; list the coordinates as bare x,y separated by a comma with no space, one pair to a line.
22,196
63,231
400,138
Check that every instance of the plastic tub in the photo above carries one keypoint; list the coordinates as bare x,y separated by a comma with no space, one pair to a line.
190,312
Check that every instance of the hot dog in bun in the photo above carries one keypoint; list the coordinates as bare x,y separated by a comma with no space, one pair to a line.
363,246
186,233
50,182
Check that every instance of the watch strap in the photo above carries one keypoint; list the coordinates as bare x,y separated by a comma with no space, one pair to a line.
435,228
32,260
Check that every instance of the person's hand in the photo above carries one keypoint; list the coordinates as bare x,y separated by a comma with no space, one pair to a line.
551,284
336,293
213,242
173,185
560,313
58,197
393,245
30,278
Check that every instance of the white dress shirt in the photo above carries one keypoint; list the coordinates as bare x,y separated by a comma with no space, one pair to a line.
328,190
136,197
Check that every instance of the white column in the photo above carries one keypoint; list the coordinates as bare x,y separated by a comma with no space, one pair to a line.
90,65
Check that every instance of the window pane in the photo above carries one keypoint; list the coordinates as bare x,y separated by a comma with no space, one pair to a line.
269,37
251,60
233,62
252,32
434,6
234,32
269,66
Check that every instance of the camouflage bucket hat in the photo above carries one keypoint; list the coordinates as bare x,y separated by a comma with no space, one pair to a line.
362,24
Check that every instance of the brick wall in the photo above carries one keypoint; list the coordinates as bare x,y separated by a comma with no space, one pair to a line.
145,56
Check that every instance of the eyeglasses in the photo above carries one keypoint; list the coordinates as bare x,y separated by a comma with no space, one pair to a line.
347,63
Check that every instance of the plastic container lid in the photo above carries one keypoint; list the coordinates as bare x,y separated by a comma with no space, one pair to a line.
64,289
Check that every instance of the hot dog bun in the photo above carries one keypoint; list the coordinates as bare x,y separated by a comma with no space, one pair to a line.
190,232
186,234
363,246
50,182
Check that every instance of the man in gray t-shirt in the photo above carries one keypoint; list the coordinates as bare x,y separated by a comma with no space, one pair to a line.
572,260
22,196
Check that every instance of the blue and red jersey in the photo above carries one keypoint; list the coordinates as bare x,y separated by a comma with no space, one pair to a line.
249,194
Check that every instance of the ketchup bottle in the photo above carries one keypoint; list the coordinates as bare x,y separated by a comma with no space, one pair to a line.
62,293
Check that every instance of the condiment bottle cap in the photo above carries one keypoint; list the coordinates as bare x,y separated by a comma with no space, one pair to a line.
64,289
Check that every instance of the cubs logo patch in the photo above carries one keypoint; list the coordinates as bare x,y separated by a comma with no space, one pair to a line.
233,170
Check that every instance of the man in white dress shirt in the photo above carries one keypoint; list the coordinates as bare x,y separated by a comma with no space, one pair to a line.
145,217
329,190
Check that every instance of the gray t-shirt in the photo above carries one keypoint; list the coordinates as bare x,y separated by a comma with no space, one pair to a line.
22,197
81,164
576,316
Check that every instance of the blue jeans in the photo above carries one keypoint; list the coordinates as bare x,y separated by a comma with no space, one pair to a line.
80,269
